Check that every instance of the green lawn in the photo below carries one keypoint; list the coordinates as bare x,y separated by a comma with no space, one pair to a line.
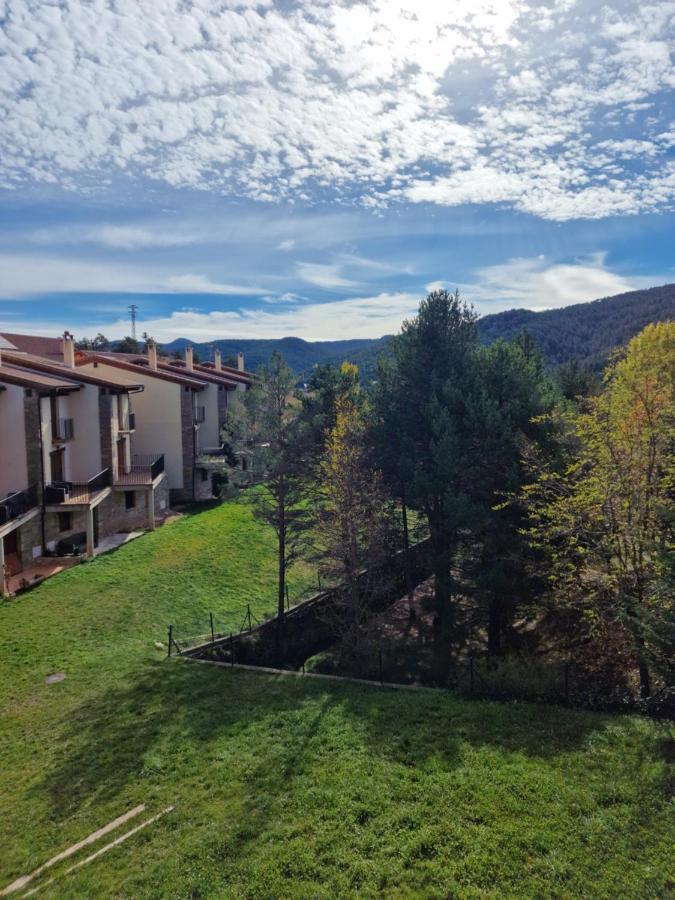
288,787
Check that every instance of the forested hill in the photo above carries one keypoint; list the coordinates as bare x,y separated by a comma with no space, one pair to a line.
585,331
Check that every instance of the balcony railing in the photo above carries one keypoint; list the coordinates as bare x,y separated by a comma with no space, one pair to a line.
200,415
63,430
77,491
144,469
17,504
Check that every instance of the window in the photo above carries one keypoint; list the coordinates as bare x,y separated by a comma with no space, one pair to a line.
65,521
205,474
129,499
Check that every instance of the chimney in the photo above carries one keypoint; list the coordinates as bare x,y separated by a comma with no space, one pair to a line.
188,359
217,362
152,355
68,349
240,361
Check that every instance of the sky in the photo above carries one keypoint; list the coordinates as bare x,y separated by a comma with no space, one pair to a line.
311,168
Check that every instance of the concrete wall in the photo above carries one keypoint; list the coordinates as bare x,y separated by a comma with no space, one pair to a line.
13,467
158,416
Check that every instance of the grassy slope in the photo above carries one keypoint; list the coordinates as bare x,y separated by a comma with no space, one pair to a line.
289,787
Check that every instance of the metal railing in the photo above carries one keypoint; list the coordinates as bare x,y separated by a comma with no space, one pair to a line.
18,504
63,430
77,491
144,468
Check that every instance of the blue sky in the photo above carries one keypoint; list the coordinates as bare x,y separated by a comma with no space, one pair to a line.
259,169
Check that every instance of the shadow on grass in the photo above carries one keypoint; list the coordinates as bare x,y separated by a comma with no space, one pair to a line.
175,711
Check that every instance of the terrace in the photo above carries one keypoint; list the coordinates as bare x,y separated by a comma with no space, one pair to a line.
144,469
18,504
78,493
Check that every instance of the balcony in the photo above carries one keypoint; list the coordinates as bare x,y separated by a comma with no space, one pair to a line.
128,422
143,470
63,430
200,415
17,504
76,492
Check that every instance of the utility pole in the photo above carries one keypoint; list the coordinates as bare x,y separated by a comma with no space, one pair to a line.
132,310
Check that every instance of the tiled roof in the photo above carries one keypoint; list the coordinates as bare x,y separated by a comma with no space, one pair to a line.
60,370
24,377
135,362
47,347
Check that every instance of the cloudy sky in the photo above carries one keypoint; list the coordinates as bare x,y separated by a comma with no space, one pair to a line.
306,167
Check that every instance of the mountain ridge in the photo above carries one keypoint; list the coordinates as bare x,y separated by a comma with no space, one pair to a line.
588,332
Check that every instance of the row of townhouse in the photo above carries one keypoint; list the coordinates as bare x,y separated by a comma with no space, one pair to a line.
97,443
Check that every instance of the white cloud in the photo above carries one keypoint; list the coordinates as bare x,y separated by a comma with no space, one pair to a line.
328,277
356,317
547,107
24,276
538,284
116,237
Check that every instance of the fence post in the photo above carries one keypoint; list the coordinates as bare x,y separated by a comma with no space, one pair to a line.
380,655
248,606
288,602
471,674
213,637
231,651
170,639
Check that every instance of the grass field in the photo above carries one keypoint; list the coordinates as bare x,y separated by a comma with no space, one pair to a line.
285,787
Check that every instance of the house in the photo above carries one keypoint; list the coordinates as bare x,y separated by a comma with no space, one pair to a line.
66,450
182,408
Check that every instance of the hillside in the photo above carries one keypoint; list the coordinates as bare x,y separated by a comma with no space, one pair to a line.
585,331
292,787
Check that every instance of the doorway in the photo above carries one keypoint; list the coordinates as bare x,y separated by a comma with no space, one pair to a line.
12,552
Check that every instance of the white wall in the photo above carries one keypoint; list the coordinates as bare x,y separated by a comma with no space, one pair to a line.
157,408
83,453
208,434
13,467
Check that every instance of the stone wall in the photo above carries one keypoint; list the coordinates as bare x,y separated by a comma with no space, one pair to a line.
32,426
188,441
162,498
30,540
105,421
52,533
114,516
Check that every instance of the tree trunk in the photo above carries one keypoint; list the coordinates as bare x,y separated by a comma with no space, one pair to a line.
406,547
645,678
444,619
494,627
281,599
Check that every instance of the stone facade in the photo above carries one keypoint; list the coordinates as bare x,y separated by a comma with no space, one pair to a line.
162,504
30,540
53,534
31,415
118,518
188,441
222,406
105,420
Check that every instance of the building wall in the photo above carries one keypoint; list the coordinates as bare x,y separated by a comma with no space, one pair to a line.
158,416
209,431
188,442
83,453
13,467
30,540
222,408
31,415
119,518
52,533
